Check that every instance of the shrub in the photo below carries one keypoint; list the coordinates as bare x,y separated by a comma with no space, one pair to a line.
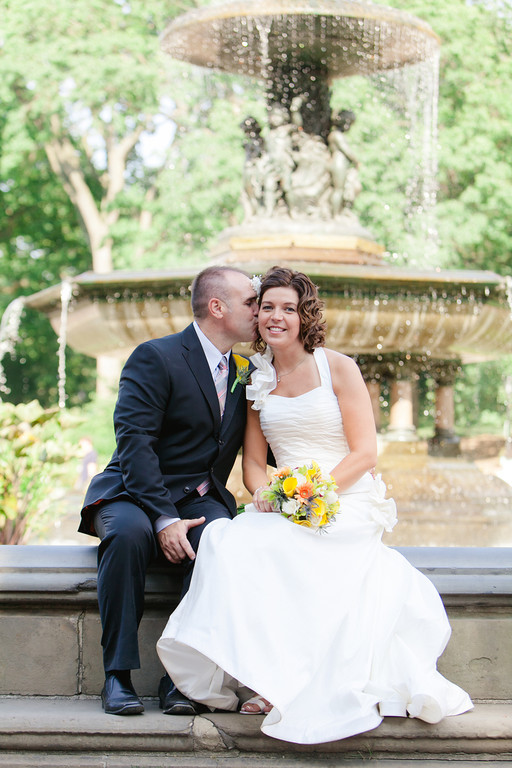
35,462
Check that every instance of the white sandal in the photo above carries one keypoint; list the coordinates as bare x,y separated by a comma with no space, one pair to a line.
263,705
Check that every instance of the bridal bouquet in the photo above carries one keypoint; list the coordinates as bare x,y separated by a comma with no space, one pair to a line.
304,495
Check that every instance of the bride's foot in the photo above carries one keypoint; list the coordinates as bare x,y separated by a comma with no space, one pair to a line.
256,706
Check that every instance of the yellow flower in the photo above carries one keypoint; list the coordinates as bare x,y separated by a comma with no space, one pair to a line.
242,364
242,371
319,509
313,471
305,523
289,485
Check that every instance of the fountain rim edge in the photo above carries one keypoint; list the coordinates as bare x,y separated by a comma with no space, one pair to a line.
125,279
380,12
210,14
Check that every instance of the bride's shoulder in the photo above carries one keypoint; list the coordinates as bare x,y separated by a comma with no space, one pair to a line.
345,373
339,361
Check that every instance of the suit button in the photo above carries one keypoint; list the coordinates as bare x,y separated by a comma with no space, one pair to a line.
221,442
186,489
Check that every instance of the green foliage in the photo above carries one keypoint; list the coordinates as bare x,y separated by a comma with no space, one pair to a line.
483,401
95,420
35,459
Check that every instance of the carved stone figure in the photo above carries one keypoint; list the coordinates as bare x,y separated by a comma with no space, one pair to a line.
259,184
344,164
310,183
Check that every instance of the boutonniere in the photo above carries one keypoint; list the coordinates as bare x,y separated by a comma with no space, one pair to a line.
242,371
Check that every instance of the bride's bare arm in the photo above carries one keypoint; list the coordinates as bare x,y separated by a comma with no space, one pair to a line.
254,461
358,421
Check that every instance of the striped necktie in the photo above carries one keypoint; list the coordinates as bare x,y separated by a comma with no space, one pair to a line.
221,383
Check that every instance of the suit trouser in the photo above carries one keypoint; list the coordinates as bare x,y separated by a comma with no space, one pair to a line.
128,546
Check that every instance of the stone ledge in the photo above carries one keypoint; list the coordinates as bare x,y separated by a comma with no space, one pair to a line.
70,571
62,725
50,627
68,574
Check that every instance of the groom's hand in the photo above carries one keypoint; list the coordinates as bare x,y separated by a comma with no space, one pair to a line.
173,540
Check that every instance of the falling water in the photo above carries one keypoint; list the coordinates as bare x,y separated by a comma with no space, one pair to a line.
66,292
9,335
419,85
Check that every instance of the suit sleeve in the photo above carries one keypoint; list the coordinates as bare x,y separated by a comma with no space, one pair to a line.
144,391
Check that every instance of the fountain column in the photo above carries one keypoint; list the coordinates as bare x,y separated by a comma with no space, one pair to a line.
444,442
401,415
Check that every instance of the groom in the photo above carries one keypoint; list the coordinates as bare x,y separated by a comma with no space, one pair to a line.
179,422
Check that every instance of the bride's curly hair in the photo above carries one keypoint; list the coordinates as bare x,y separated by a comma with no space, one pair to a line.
310,306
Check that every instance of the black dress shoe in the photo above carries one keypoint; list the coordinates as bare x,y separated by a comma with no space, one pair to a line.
173,702
118,696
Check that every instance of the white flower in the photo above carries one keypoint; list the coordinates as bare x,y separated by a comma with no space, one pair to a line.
331,497
256,284
290,506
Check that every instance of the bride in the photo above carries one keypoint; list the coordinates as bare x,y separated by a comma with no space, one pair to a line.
324,632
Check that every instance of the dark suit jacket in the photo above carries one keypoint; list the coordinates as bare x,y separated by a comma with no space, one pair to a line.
169,433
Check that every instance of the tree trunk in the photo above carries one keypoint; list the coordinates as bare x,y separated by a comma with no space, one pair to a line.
96,220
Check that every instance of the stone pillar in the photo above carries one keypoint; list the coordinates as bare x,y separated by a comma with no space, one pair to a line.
401,415
374,392
444,442
108,370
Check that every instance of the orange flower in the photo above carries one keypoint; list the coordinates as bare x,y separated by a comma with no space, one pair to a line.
305,491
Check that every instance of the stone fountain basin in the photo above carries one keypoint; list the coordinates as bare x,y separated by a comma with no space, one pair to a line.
345,37
369,310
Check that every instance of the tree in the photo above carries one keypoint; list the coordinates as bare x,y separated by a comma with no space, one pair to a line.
78,111
88,91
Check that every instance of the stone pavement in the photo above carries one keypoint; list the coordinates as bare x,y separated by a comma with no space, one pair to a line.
42,731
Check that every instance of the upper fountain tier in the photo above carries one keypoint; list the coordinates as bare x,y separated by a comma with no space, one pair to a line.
301,176
344,37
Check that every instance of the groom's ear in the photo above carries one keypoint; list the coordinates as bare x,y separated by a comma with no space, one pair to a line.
216,308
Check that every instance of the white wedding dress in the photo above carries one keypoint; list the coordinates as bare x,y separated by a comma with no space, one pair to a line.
334,628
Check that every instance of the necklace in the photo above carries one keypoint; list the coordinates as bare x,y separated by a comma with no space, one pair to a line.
280,375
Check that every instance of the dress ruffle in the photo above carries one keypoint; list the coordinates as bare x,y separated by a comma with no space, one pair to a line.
263,379
384,510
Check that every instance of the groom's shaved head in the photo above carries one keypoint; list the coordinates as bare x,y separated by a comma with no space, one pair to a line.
211,283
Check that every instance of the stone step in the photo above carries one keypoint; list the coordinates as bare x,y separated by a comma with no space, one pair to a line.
166,760
75,732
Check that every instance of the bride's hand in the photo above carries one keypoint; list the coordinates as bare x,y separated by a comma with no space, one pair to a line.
261,504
